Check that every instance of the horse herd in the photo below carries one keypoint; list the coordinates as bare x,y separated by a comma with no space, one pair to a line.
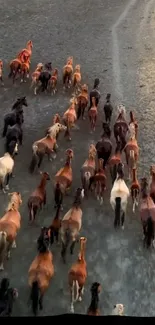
100,162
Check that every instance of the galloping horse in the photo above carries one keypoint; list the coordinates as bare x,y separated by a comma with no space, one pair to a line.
71,224
88,169
63,179
95,93
7,297
98,182
82,101
133,125
52,84
26,53
108,109
67,73
132,153
70,117
25,69
147,214
77,78
1,72
104,148
92,113
120,123
15,68
35,77
114,161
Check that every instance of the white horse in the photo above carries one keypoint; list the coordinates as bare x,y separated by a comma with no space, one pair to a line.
121,109
119,197
6,168
118,310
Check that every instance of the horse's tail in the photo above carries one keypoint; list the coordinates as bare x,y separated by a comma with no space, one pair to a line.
86,182
117,212
58,195
35,291
3,242
34,159
131,117
149,232
67,132
4,129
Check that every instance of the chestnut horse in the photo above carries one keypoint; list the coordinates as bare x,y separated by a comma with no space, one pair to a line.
38,197
77,78
132,154
15,68
135,189
82,101
25,69
98,182
93,308
114,161
41,271
147,214
9,226
92,113
63,179
26,53
67,73
46,145
70,117
35,77
1,72
71,224
88,169
121,123
52,84
133,124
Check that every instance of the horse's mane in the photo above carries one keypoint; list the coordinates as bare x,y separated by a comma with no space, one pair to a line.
16,104
52,131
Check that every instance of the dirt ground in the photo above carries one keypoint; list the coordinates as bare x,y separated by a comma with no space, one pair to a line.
114,41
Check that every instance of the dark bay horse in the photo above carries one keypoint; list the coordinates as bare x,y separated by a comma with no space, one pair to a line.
17,112
104,148
121,124
7,297
14,134
108,108
95,93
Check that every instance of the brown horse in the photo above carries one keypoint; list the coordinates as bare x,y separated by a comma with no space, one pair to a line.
147,214
135,189
77,275
121,123
92,113
1,72
38,197
152,185
9,227
55,226
93,308
63,179
98,182
67,73
70,117
15,68
45,146
88,169
35,77
25,69
82,101
77,78
114,161
56,119
132,154
26,53
52,84
133,124
71,224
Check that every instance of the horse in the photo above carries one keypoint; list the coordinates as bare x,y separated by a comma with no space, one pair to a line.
119,197
26,53
1,72
120,123
55,226
6,167
8,296
147,214
98,182
35,77
46,145
118,310
44,78
9,227
132,154
14,135
63,179
114,161
104,148
133,125
152,184
95,93
67,73
15,68
24,71
52,84
11,118
88,169
77,275
41,271
106,129
71,224
77,78
108,109
93,308
38,197
92,113
82,101
70,117
134,189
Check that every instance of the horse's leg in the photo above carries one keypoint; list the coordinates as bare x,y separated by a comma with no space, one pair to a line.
63,252
7,182
41,302
81,291
82,112
5,129
44,202
9,250
14,244
2,83
72,246
122,220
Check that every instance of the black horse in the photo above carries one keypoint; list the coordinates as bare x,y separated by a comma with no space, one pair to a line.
11,118
7,297
45,76
95,93
108,108
14,135
104,148
106,129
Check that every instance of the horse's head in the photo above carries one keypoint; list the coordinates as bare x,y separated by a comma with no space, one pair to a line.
22,101
92,151
121,112
118,309
45,175
40,67
84,88
29,44
48,66
70,60
61,127
80,193
120,170
15,151
77,68
56,119
96,82
55,72
73,101
95,288
108,97
16,198
152,170
70,153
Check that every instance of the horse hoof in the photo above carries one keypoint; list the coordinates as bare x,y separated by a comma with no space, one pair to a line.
54,157
8,256
69,139
4,191
1,267
14,245
7,187
122,227
72,310
80,298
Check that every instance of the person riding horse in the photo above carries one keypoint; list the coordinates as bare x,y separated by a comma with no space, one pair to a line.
95,93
